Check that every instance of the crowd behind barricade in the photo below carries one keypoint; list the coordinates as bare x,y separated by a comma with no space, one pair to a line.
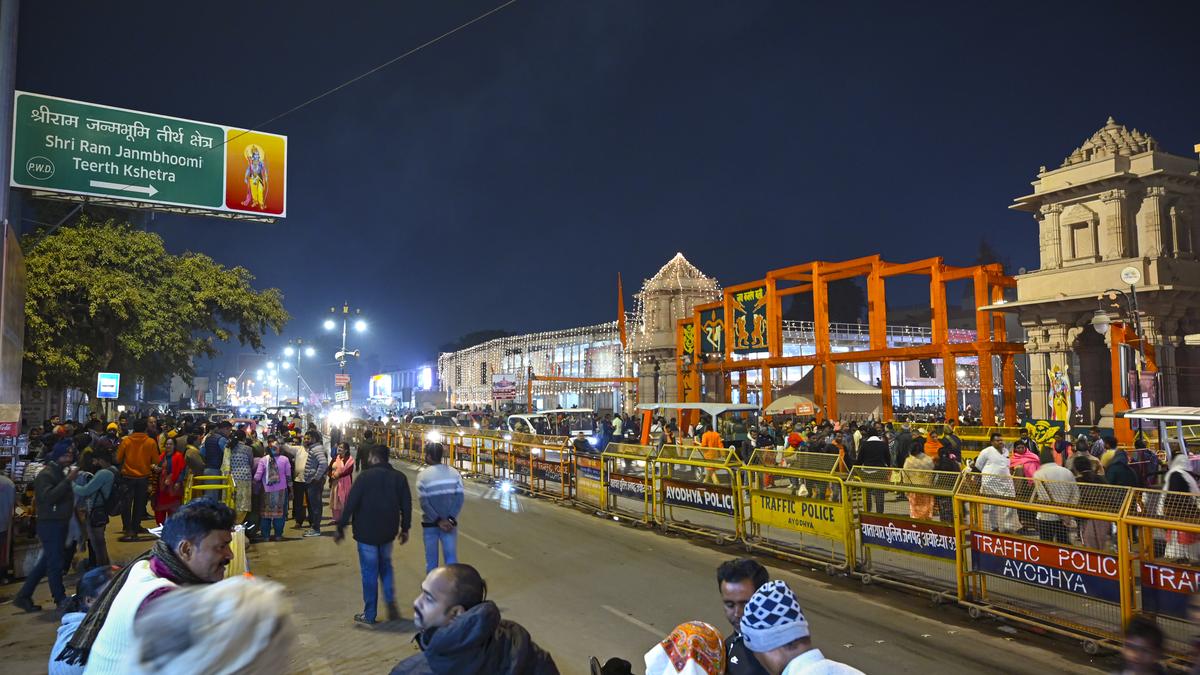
146,468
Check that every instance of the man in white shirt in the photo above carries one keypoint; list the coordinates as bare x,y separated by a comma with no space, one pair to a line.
1054,484
776,632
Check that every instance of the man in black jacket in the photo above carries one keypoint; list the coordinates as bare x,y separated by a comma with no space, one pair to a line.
362,457
55,507
462,632
380,506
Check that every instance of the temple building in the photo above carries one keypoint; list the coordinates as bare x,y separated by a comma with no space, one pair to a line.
1117,220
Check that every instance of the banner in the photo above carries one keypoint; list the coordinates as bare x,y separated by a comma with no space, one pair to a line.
630,487
699,496
543,470
1042,431
810,516
899,534
749,330
712,331
689,339
588,488
1166,588
504,387
1059,568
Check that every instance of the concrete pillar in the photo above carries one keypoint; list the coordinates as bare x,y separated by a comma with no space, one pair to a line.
1112,226
1150,222
1050,236
1039,391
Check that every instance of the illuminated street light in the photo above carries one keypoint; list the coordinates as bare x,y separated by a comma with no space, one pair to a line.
259,373
310,352
360,325
329,324
288,351
270,365
287,366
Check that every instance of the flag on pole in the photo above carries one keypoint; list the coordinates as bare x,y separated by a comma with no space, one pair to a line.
621,312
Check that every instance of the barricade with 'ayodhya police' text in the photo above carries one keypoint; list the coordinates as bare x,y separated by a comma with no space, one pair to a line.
1045,551
1074,558
625,481
796,506
906,527
696,490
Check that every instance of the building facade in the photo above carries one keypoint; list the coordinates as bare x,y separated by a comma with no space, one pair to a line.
1119,202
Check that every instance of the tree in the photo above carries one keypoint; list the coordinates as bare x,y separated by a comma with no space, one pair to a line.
847,303
105,297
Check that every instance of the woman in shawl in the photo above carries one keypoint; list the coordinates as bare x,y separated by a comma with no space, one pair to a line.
171,477
241,460
918,468
1180,491
275,475
340,476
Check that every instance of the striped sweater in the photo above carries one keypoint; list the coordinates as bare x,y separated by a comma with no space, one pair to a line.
440,489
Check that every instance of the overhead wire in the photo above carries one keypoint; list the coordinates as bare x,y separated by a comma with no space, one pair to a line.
345,84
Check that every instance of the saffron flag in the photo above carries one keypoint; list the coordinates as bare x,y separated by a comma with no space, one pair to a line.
621,311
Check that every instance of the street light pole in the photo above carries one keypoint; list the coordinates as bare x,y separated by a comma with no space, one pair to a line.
1101,322
359,325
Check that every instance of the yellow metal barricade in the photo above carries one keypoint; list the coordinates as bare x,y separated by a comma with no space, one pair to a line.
1045,553
795,505
1163,529
218,487
906,527
698,490
626,474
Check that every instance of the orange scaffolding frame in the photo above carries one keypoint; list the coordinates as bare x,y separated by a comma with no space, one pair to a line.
814,277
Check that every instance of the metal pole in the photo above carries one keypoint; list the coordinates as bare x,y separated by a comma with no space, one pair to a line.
9,12
299,346
1137,331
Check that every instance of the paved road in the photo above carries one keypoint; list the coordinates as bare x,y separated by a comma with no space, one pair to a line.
584,585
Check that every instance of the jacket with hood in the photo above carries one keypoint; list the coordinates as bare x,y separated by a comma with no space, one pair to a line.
66,631
478,641
1118,471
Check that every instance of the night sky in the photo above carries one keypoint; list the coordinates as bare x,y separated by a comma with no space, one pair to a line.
502,178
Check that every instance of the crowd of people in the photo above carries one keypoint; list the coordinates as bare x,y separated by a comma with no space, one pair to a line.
117,619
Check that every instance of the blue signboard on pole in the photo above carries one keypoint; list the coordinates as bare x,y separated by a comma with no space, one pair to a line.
108,385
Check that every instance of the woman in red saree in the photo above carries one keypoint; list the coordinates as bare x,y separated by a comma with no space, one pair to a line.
171,475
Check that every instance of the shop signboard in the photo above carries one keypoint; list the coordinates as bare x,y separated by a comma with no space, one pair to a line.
1060,568
788,512
749,329
78,148
699,496
910,536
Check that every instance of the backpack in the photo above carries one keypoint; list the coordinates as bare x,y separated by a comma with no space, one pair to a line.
117,494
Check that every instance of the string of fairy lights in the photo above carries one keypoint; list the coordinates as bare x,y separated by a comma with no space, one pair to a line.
585,351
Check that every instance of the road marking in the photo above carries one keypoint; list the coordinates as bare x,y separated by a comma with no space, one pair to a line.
633,620
486,545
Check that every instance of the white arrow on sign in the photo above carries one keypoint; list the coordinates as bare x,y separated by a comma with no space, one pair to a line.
148,190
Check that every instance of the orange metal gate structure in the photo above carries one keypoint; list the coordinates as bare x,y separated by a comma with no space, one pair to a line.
762,339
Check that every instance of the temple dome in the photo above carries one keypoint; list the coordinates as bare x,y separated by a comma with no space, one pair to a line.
673,275
1111,139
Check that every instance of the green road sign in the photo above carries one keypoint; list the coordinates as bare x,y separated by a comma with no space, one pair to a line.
80,148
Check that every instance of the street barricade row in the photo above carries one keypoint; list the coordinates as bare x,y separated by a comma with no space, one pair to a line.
1074,558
